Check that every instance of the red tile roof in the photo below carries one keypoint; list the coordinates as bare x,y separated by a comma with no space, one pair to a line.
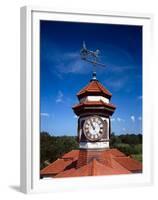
94,87
66,173
116,162
56,167
129,163
94,103
94,168
72,154
115,152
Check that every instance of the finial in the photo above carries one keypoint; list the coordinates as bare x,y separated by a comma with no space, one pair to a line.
94,77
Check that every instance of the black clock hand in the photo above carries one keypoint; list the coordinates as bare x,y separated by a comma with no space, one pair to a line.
92,124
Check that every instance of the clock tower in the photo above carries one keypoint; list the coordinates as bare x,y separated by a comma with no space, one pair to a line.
94,110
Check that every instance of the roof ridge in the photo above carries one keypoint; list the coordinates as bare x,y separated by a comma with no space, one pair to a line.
93,166
99,85
103,88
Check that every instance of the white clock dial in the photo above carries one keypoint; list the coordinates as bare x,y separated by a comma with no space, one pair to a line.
93,128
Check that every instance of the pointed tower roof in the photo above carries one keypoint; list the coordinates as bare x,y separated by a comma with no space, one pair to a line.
94,88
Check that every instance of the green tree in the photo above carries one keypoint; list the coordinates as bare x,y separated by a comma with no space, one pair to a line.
52,148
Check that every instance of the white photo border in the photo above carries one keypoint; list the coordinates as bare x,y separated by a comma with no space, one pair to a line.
30,101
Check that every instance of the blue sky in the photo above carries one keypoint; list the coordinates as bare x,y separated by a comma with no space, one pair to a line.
63,73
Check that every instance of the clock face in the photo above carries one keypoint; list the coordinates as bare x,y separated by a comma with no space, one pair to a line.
94,127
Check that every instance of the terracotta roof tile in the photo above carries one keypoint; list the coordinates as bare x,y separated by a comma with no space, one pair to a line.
94,87
71,155
94,168
129,163
115,152
56,167
66,173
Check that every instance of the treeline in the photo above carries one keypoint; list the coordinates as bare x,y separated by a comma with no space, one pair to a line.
53,147
128,139
130,144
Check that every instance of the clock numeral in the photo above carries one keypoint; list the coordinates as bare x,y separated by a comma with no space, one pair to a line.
94,120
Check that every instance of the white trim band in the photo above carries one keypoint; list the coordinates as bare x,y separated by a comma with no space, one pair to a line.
94,145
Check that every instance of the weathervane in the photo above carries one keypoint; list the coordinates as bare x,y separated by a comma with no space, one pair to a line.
91,57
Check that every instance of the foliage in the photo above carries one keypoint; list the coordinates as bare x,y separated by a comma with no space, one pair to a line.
53,147
137,157
130,144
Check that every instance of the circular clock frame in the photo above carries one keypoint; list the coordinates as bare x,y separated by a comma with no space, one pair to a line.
99,135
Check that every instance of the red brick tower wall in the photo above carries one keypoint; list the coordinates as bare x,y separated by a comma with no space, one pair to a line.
85,156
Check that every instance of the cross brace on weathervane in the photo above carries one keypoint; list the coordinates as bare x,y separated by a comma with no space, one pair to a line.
91,57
